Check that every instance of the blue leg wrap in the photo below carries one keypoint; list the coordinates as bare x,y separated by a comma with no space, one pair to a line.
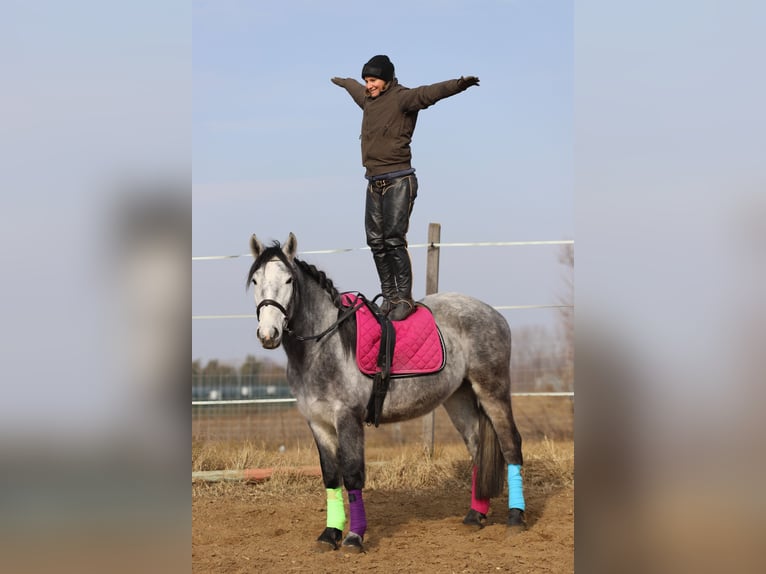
515,489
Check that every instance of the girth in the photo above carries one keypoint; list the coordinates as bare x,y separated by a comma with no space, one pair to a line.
382,378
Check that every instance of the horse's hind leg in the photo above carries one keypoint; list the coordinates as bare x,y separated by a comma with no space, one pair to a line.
494,396
327,444
463,410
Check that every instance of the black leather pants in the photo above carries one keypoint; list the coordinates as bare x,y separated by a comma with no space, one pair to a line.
387,220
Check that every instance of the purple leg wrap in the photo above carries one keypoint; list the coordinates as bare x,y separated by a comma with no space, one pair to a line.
478,504
358,517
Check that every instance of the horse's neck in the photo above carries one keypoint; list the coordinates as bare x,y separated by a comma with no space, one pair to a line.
314,312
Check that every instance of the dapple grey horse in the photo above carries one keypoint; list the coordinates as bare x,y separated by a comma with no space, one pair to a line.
299,308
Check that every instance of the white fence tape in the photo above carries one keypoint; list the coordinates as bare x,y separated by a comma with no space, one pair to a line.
292,400
412,246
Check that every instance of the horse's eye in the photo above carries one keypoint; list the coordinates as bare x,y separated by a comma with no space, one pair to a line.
254,283
290,280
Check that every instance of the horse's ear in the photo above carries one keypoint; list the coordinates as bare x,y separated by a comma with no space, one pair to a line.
256,247
290,247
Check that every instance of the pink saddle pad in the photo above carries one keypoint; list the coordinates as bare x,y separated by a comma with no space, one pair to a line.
419,348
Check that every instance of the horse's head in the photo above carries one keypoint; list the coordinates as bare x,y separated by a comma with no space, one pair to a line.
272,276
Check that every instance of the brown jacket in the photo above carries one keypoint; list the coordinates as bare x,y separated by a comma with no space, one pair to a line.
389,120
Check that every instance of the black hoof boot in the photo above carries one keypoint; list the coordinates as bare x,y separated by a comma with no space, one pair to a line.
329,539
516,522
474,518
353,543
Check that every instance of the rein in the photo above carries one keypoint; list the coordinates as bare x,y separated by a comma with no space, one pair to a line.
345,315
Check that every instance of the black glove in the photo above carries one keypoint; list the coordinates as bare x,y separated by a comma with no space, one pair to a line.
337,81
466,82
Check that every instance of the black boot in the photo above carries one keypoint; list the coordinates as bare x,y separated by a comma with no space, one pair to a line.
401,308
402,304
387,279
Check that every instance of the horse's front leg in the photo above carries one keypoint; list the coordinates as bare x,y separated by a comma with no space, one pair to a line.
351,457
326,440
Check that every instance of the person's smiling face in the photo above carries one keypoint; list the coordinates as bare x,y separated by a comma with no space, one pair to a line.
374,86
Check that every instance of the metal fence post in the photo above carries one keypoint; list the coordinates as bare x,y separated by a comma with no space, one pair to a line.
432,286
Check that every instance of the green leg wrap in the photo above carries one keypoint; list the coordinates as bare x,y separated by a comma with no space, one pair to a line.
336,514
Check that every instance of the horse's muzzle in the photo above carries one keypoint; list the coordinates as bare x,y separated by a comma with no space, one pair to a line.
270,340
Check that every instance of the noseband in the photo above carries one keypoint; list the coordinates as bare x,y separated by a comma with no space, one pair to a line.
273,303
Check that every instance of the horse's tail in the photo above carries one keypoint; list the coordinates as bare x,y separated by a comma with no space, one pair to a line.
490,464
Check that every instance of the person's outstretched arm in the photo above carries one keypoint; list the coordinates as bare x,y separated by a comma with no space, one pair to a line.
356,90
424,96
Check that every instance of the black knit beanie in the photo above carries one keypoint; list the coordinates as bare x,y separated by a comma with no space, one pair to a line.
379,67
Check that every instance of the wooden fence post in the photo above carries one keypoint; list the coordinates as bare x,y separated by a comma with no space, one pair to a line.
432,286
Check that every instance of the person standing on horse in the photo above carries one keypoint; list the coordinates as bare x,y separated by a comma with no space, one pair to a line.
388,123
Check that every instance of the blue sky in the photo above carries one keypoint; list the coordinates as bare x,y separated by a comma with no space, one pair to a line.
276,146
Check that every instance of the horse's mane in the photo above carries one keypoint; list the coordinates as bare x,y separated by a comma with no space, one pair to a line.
275,250
321,278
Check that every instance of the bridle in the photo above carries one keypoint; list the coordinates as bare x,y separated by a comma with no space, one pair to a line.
287,311
345,315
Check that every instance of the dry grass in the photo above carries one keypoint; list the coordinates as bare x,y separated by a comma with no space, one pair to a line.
412,467
237,455
548,466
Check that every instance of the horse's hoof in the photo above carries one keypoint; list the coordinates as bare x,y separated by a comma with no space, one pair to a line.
516,522
475,518
353,543
328,540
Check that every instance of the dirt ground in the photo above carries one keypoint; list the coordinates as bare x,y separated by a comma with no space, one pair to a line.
268,527
239,528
